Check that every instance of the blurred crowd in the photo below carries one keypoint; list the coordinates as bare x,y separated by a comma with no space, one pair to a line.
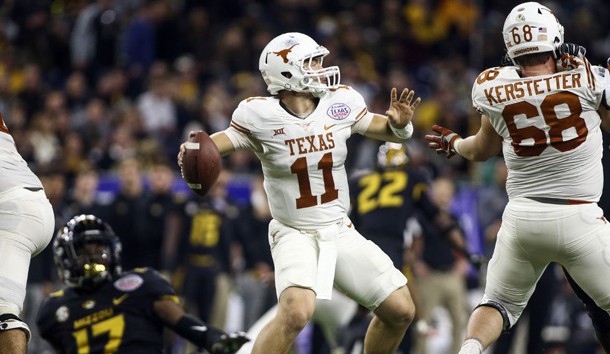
99,95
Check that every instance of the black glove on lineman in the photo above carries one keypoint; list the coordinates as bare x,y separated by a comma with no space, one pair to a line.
212,339
571,49
564,48
229,343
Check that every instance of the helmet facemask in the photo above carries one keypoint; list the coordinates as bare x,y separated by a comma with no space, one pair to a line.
320,80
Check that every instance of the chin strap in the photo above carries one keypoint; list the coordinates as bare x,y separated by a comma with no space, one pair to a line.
8,321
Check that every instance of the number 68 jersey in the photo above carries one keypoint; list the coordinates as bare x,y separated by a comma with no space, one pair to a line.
552,141
303,159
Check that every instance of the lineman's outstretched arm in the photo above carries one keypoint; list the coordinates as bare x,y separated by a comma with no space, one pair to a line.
485,144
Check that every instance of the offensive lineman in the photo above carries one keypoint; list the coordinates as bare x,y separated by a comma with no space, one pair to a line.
544,113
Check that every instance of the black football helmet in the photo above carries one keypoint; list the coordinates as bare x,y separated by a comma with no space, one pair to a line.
87,252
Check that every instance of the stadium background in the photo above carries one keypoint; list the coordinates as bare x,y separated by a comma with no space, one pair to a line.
87,84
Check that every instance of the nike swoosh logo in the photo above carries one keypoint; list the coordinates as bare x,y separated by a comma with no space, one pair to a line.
200,328
118,300
326,127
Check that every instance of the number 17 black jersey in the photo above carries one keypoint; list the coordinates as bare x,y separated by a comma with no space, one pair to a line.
117,318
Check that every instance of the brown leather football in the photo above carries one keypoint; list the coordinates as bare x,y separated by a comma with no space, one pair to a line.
201,163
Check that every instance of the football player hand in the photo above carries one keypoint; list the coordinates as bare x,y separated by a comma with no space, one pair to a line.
229,343
183,149
571,49
401,109
444,143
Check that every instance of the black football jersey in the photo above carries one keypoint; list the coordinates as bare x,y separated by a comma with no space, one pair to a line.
383,201
117,318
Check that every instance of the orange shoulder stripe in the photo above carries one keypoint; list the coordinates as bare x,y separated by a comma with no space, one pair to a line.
362,113
240,128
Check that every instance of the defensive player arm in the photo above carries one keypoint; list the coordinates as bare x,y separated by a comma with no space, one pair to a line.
485,144
196,331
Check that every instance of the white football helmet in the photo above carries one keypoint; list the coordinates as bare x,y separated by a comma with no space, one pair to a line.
286,64
531,28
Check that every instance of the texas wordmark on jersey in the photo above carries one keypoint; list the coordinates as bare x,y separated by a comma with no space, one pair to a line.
302,158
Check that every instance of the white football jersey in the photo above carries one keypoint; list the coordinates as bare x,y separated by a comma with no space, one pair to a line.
552,141
14,171
302,158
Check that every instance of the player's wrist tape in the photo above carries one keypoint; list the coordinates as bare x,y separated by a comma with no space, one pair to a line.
402,133
472,345
456,145
197,332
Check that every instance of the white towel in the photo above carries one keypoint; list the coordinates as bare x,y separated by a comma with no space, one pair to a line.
327,260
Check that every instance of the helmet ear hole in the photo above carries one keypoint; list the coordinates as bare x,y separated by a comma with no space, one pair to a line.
287,74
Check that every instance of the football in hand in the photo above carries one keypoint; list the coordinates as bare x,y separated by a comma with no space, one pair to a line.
201,163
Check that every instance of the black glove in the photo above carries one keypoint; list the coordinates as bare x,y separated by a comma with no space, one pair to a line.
505,60
229,343
477,260
571,49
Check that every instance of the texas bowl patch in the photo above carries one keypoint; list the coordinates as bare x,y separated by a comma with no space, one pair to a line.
129,282
338,111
